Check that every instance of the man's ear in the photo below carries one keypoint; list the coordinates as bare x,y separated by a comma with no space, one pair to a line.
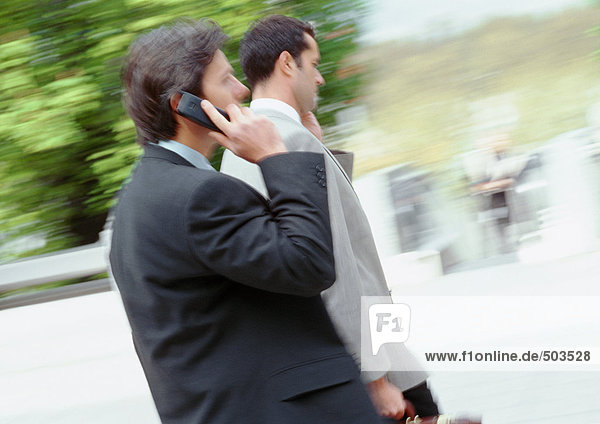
174,101
285,63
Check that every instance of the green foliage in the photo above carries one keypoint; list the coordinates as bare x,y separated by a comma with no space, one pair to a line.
66,144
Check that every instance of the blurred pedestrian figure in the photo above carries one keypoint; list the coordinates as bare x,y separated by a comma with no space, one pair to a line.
492,171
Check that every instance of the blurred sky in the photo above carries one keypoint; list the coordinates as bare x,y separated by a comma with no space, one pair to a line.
389,19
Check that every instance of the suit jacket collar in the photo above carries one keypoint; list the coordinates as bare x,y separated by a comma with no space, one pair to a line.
270,104
274,113
154,151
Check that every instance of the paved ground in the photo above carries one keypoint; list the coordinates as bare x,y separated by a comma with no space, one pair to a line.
72,361
553,397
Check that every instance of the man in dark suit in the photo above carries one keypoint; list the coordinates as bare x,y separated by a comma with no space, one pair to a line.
222,287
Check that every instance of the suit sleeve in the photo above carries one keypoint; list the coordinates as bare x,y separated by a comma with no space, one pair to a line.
282,246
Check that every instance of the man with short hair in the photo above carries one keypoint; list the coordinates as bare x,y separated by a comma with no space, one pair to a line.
280,57
222,288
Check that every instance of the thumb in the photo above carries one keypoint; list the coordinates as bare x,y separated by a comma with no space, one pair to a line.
409,409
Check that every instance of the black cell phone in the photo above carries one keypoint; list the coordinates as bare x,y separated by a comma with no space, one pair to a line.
189,107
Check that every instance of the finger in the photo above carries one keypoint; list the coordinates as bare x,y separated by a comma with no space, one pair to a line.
246,111
221,139
218,119
394,413
234,112
409,409
391,414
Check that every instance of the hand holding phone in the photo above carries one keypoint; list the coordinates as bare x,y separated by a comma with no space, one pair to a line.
248,135
189,107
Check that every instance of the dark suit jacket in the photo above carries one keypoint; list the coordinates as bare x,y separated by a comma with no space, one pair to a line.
222,291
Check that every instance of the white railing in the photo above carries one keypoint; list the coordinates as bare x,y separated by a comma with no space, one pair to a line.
80,262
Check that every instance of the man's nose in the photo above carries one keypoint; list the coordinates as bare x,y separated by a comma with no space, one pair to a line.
320,79
242,92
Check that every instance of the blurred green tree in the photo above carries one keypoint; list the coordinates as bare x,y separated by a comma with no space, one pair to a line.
66,144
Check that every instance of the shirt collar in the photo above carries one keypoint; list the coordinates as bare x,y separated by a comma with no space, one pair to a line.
192,156
274,104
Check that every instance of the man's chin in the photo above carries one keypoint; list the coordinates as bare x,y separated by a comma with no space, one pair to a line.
315,104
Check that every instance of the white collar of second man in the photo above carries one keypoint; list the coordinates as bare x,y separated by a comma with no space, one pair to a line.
274,104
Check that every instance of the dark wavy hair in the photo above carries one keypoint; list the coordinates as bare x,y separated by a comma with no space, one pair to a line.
266,39
160,63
